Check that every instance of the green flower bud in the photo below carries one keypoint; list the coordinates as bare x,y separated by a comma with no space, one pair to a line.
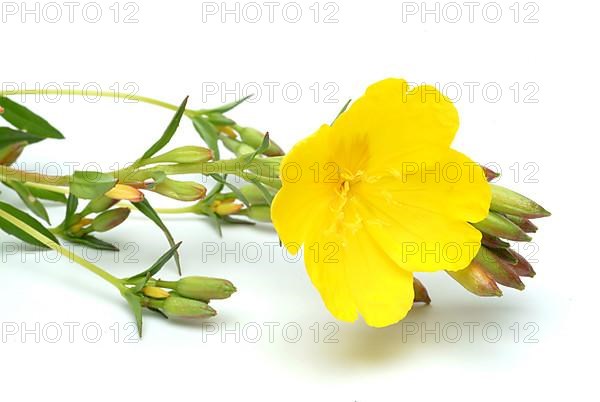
254,138
98,205
155,293
499,226
260,213
10,153
187,154
110,219
237,147
181,190
253,194
176,306
509,202
200,288
499,270
476,280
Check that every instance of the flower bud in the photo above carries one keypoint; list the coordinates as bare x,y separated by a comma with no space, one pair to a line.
510,202
237,147
253,194
254,138
499,226
226,207
498,269
176,306
99,204
493,241
201,288
260,213
421,295
154,292
125,192
10,153
525,224
181,190
78,226
110,219
523,267
476,280
187,154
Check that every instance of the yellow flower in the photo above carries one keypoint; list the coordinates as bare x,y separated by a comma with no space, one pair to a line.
379,195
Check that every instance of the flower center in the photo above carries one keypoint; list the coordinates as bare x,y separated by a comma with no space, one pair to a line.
348,178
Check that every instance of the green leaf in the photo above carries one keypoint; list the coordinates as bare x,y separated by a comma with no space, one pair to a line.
236,191
229,106
8,136
157,266
219,120
25,120
265,191
92,242
209,135
169,132
90,185
264,145
341,111
29,199
19,233
71,209
145,208
47,194
135,304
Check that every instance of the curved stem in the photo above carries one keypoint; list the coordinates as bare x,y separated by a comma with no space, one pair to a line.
105,94
116,282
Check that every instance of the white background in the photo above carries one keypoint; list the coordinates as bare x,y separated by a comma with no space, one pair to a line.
174,50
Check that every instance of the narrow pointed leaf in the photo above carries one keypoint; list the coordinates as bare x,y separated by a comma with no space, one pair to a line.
169,132
209,135
145,208
25,120
27,219
9,136
157,266
29,199
136,307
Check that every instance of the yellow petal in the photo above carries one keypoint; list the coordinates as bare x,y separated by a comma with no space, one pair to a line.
304,203
394,118
353,273
421,219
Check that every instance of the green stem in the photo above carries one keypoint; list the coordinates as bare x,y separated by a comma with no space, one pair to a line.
105,94
116,282
9,173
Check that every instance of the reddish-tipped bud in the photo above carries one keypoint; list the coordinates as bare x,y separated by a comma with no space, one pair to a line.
110,219
493,241
525,224
523,267
498,269
421,294
499,226
476,280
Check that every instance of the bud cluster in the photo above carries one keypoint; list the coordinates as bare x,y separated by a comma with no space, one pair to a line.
189,297
497,263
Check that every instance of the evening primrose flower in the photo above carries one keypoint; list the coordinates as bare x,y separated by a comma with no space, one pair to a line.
379,195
